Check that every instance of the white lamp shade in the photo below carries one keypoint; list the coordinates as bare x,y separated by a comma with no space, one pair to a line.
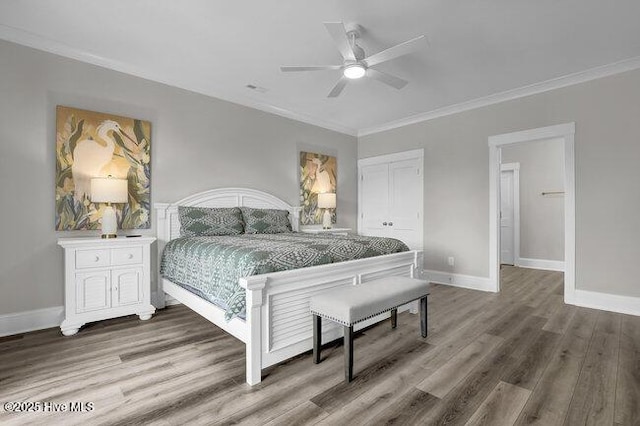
327,200
109,190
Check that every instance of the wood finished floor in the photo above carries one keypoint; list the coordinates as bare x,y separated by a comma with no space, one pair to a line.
520,357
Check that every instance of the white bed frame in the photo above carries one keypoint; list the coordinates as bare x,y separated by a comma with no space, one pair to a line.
278,322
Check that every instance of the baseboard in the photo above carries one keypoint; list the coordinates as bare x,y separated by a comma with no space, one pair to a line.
459,280
22,322
606,302
547,265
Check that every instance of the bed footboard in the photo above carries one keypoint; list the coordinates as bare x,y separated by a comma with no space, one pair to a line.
278,319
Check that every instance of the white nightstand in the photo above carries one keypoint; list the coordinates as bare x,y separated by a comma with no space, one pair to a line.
330,231
105,278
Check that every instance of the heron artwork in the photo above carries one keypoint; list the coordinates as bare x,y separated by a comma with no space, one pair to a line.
92,144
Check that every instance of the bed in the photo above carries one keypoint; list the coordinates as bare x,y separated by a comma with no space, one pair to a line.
276,324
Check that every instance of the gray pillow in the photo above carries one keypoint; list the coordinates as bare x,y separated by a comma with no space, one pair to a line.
265,221
199,221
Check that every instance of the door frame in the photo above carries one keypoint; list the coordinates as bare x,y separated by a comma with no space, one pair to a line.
415,154
567,133
515,168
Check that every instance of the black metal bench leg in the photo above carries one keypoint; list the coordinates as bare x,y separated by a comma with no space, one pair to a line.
317,338
423,316
348,353
394,318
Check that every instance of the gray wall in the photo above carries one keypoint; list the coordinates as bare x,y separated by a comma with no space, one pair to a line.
607,117
541,217
198,143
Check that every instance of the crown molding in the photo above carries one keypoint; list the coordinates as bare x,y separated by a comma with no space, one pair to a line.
521,92
26,38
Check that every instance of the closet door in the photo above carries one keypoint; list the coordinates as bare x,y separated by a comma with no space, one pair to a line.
391,197
374,190
405,199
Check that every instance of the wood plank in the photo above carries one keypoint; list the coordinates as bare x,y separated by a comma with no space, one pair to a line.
502,406
594,396
549,402
464,400
627,408
337,396
306,413
410,409
527,373
178,368
378,400
444,379
560,320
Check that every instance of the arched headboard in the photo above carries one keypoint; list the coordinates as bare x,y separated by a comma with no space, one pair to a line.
167,213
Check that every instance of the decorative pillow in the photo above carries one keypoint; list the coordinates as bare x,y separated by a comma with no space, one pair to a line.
265,221
199,221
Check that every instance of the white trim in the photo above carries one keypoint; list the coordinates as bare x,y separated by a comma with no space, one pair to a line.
515,167
607,302
38,42
545,264
388,158
567,133
38,319
531,135
458,280
521,92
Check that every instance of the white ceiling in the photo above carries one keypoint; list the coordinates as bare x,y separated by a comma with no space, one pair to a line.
476,48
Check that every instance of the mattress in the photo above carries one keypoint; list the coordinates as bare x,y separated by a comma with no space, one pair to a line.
210,266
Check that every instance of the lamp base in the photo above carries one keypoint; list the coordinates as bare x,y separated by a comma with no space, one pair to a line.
326,219
109,222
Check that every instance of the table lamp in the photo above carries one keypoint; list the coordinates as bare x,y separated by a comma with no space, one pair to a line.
326,201
109,190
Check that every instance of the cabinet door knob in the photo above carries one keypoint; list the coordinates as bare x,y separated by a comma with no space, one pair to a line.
96,259
390,223
130,255
384,223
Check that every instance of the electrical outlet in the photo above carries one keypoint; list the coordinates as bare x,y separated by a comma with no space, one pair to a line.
450,260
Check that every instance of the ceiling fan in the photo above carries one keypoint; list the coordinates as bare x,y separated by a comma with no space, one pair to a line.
356,64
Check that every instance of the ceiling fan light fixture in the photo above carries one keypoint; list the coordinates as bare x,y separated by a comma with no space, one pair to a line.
354,71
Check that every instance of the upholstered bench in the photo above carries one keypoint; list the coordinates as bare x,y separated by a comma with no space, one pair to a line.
351,305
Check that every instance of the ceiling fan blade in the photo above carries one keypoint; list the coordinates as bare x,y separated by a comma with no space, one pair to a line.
395,51
339,34
385,78
337,89
310,68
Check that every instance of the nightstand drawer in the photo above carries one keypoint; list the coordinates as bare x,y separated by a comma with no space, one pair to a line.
92,258
126,256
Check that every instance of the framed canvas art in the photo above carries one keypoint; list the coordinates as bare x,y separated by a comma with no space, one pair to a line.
92,144
318,174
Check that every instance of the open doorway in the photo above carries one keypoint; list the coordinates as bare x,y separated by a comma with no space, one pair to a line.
532,205
506,150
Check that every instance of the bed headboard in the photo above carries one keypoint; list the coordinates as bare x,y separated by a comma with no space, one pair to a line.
168,225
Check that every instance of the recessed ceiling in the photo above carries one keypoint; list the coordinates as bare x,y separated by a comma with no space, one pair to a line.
475,49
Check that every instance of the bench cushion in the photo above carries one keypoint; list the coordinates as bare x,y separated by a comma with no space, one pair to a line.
349,305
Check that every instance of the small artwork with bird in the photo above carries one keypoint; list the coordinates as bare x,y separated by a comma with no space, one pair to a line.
92,144
318,174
